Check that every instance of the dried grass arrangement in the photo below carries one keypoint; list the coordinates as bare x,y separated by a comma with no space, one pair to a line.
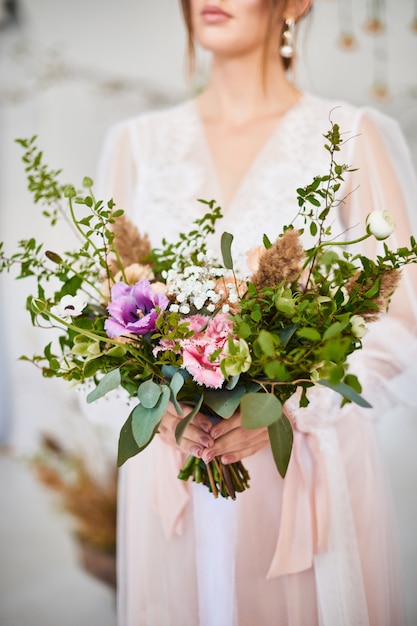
92,504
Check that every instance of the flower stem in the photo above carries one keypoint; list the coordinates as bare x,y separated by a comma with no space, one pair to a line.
211,480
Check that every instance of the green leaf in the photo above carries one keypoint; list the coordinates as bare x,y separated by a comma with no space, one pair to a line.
149,394
286,333
224,402
116,351
266,342
276,370
182,425
259,409
244,330
309,333
127,444
109,382
346,392
266,241
145,421
335,329
281,439
226,245
313,229
176,384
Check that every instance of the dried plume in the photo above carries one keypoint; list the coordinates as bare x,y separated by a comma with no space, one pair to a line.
389,283
282,262
131,246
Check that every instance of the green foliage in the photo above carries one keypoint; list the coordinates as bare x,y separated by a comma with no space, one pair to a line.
285,338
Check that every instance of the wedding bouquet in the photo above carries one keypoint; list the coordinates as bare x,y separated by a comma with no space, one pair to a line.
176,325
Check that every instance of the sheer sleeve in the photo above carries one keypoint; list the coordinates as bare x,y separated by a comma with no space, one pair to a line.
385,179
116,175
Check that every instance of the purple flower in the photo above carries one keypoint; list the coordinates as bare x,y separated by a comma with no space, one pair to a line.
133,309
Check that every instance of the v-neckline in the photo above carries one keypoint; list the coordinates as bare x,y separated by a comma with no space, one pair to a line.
254,162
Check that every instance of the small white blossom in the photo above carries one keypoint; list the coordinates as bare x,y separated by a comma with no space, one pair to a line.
185,309
225,308
211,308
69,307
174,308
199,303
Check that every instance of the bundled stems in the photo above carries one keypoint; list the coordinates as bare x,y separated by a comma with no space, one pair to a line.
221,479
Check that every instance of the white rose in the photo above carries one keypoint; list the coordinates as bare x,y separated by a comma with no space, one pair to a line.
358,324
380,224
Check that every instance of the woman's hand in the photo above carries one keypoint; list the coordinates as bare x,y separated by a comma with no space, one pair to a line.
232,442
197,437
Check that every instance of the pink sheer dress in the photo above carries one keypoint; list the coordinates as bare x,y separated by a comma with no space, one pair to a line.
317,548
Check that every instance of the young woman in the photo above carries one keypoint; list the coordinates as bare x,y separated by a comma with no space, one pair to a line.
317,547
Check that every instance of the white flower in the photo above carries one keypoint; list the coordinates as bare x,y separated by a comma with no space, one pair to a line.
359,328
333,291
380,224
68,307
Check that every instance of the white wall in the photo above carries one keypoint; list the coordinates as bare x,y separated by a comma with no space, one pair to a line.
89,63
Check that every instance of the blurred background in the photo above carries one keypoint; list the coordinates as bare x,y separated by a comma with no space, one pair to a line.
68,71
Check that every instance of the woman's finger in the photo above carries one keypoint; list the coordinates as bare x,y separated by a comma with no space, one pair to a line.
237,444
195,439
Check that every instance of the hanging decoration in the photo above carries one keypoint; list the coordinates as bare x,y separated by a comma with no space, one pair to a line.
375,21
376,25
347,39
413,24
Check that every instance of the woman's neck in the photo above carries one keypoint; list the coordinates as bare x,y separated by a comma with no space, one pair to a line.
239,92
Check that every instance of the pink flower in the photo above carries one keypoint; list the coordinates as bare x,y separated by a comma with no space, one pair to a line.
202,353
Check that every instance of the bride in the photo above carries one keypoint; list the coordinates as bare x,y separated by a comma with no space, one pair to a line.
317,548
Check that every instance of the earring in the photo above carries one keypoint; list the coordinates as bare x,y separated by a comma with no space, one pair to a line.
287,44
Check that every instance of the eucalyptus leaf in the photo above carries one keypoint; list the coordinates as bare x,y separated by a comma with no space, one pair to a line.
286,333
149,394
259,409
110,381
145,421
182,425
226,248
347,392
127,444
176,384
224,402
281,438
233,382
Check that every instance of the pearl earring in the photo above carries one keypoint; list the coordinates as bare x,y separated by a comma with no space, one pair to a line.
287,45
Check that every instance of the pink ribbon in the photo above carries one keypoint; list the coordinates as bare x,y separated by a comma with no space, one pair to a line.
304,520
170,495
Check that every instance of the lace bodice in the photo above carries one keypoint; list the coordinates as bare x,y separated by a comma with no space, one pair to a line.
173,168
157,165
